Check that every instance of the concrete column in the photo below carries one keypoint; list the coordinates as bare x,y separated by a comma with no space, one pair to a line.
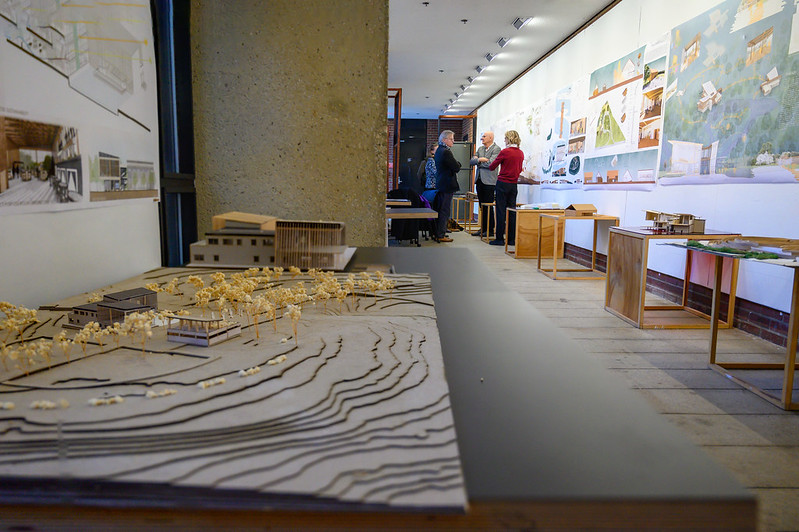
290,110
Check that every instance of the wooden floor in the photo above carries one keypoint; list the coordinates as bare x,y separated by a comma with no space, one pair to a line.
756,441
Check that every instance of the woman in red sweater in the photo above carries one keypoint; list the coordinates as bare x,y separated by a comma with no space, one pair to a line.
510,160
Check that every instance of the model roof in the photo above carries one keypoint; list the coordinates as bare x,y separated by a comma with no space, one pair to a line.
243,220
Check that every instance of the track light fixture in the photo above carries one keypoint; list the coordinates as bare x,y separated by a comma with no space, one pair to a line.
502,41
479,68
520,22
470,79
490,57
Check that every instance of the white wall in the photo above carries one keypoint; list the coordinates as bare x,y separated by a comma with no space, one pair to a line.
45,257
756,209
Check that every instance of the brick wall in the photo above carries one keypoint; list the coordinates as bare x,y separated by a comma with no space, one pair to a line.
758,320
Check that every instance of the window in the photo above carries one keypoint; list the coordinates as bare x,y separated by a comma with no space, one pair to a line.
252,242
213,241
216,258
199,257
238,241
256,258
227,241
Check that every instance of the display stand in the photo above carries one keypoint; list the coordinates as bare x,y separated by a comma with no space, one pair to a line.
628,249
526,243
785,400
558,222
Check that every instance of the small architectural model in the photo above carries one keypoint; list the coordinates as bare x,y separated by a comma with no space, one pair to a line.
113,308
237,239
680,224
245,240
201,331
580,209
311,245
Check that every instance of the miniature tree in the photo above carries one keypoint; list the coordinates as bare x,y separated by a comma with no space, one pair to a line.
64,343
82,336
349,286
278,271
139,324
294,312
294,271
196,282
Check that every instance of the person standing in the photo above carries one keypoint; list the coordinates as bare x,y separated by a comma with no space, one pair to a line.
510,160
486,180
427,170
447,168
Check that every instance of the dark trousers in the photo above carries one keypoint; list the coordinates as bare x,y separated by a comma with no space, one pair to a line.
485,194
506,198
444,210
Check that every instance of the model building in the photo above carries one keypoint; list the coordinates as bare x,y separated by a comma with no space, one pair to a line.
239,239
679,224
113,308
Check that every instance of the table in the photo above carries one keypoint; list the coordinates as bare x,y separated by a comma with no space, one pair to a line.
409,213
625,290
421,213
548,438
398,202
559,221
526,239
785,400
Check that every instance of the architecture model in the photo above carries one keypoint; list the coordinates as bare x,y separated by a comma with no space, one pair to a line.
354,415
201,331
113,308
242,240
680,224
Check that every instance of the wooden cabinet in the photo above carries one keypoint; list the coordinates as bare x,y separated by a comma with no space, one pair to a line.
526,226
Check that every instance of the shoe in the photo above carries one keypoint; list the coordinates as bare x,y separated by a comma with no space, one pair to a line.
445,239
497,243
477,233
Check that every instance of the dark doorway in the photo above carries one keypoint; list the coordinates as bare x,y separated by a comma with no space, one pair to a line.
413,137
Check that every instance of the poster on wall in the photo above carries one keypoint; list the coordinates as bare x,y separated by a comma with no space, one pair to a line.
731,111
551,139
78,105
624,122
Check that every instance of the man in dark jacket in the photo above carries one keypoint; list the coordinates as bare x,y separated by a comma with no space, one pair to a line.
446,182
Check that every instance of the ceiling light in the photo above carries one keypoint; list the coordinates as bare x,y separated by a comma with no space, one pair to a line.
470,79
457,95
502,41
490,57
463,87
520,22
479,68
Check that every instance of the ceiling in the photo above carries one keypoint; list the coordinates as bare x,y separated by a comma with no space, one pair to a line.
432,51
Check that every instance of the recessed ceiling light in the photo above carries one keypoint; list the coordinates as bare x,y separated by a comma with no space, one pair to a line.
490,57
463,87
520,22
479,68
441,70
470,79
457,95
502,41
